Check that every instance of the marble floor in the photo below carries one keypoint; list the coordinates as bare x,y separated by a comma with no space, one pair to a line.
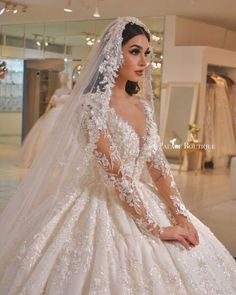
207,194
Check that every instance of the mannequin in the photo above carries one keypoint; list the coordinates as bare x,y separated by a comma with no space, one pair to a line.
41,130
63,90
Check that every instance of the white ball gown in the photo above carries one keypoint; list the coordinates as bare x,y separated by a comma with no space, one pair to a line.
40,131
92,245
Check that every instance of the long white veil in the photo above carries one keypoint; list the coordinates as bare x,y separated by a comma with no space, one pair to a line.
58,171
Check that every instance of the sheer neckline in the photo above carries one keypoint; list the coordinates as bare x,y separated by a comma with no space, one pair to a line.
142,139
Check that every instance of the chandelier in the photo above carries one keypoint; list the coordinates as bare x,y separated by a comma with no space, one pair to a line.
12,7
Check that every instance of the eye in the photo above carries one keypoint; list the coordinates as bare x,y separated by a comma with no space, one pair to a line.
135,51
148,52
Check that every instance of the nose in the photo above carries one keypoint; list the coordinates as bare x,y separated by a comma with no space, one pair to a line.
143,60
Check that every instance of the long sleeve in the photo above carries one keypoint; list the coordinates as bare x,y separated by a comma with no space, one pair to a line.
163,179
108,159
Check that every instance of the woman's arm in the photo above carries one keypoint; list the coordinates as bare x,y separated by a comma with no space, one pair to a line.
125,189
164,181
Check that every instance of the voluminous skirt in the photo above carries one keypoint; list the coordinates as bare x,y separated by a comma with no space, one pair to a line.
36,137
92,246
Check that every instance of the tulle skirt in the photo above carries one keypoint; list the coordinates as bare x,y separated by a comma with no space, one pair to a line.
36,137
92,246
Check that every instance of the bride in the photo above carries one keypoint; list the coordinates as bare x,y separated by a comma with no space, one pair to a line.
99,211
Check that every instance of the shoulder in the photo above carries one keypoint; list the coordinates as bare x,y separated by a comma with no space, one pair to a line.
94,112
147,104
53,98
57,92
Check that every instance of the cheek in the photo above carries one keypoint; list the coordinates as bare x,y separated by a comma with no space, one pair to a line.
130,60
129,64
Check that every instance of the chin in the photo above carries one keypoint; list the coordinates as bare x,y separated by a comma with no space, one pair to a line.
136,80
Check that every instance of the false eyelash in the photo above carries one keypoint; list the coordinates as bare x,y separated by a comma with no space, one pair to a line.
136,51
148,52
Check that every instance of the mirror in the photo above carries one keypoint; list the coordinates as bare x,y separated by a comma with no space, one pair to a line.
12,41
180,111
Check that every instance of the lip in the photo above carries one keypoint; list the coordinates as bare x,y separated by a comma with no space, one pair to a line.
139,73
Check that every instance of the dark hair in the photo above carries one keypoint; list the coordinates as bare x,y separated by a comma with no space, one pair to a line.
131,30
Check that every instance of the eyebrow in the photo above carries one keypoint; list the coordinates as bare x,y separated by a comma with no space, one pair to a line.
140,47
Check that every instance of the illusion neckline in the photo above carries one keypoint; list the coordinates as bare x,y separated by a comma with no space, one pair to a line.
142,139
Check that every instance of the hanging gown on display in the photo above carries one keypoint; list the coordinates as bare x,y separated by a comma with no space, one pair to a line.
232,102
219,129
41,130
94,245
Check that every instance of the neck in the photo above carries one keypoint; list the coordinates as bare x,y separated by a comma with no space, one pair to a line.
119,88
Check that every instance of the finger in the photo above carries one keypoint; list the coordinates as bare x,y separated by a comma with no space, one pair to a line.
184,243
190,238
183,232
194,234
193,239
197,237
187,236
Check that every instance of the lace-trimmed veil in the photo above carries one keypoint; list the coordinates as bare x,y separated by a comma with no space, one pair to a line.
58,170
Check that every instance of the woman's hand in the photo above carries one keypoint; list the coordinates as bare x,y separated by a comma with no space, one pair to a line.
186,224
184,235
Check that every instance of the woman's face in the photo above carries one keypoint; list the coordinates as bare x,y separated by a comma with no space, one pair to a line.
136,54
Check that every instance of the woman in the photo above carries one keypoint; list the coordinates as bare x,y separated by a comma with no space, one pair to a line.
86,219
43,127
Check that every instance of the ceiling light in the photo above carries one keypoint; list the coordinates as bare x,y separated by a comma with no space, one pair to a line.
90,43
38,43
12,7
2,10
155,38
68,7
96,13
46,43
156,65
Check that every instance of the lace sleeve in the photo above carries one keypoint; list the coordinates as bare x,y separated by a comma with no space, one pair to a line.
108,159
162,176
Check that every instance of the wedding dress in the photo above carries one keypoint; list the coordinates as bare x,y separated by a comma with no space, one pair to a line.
232,103
42,129
222,132
86,231
209,120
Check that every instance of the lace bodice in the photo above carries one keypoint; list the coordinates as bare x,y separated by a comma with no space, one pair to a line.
132,150
121,155
59,100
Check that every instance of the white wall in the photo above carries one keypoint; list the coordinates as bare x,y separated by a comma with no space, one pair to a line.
13,125
189,63
180,64
195,33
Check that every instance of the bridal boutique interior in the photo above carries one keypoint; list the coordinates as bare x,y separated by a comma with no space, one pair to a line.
193,78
